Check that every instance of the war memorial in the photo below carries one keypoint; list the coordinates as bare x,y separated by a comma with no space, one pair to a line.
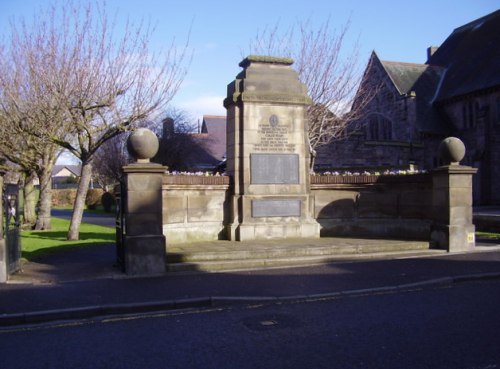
269,194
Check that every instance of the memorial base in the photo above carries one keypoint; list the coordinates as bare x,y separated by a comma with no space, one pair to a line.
145,255
267,231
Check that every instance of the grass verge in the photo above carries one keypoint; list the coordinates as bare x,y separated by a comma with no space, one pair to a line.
488,235
35,244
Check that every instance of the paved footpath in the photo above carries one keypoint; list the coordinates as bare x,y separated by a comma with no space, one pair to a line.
85,284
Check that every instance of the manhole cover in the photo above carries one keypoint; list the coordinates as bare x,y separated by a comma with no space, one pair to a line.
268,323
262,323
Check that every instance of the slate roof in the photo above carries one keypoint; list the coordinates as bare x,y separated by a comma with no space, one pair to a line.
207,148
213,133
468,61
403,75
471,56
423,80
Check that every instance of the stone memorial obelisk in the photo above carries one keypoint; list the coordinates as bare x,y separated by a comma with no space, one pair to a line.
268,152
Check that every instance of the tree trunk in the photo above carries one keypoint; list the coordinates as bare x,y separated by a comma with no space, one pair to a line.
45,201
30,198
79,205
312,158
311,163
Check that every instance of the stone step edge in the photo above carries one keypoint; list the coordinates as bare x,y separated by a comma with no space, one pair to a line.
252,264
278,253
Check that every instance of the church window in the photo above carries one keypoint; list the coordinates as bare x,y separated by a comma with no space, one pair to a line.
379,128
386,129
468,115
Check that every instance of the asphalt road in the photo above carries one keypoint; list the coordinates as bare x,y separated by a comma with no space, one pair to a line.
448,327
91,218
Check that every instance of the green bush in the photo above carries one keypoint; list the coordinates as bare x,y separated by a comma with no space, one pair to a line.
93,198
108,202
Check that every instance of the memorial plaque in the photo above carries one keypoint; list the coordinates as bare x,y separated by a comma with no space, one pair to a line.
275,208
274,168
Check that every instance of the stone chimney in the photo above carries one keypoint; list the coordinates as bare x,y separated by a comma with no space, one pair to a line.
168,128
430,51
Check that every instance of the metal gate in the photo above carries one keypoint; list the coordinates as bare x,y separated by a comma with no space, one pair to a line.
11,227
120,226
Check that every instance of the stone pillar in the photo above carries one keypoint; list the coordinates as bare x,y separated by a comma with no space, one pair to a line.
268,152
144,242
452,227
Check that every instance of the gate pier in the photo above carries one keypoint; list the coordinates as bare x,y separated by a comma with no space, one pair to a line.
142,245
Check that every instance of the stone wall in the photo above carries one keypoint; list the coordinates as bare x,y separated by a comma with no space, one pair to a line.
197,208
476,119
374,206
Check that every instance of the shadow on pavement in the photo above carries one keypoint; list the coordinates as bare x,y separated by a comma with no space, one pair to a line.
76,262
87,277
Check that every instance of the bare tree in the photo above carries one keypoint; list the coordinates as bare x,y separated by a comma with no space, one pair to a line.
102,83
328,68
35,156
109,160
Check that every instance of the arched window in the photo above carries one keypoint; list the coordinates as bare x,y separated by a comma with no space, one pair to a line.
379,128
386,129
468,114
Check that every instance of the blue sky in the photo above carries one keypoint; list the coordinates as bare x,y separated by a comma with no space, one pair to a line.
221,31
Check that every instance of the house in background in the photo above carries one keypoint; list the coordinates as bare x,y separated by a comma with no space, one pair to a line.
212,139
188,151
455,93
66,176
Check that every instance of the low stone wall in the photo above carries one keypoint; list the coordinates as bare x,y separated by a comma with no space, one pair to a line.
374,206
194,208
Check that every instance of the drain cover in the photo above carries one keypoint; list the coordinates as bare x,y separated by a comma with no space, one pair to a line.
262,323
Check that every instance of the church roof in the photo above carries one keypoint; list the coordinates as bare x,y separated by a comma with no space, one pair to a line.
471,56
421,81
408,77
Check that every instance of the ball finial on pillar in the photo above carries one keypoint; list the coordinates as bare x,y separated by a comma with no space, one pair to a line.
451,150
142,145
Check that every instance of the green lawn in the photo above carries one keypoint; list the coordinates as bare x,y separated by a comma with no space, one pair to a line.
488,235
35,244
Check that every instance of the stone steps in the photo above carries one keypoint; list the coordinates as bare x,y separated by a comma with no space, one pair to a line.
224,255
